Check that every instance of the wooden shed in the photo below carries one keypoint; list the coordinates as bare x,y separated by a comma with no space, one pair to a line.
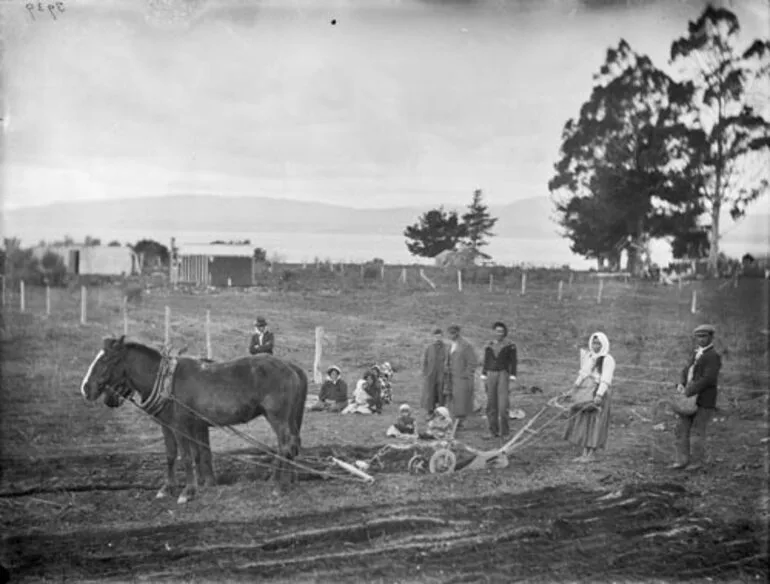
219,265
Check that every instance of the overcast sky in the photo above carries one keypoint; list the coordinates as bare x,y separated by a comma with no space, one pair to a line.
400,103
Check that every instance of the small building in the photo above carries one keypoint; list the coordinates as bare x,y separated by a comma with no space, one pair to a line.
219,265
93,260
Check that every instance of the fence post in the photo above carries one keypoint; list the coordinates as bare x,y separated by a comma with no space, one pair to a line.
428,280
382,272
561,290
523,283
83,304
362,271
459,280
403,275
47,300
168,327
125,315
491,282
679,282
599,293
694,305
317,375
208,334
571,277
22,297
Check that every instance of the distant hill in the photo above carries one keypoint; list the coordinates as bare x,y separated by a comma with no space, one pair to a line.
526,218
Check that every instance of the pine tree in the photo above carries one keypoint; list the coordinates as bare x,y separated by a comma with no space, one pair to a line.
478,223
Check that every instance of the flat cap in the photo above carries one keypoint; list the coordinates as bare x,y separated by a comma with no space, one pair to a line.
438,331
260,321
704,329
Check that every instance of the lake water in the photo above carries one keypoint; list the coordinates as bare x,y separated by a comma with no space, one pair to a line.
354,248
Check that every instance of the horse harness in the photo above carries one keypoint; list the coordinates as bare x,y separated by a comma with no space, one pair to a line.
162,389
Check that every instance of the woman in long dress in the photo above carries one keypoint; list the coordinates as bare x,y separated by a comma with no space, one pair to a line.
589,422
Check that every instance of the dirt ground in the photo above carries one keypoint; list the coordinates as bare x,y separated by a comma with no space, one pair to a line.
77,492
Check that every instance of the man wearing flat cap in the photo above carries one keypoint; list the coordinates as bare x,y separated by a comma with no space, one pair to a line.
699,377
262,340
434,364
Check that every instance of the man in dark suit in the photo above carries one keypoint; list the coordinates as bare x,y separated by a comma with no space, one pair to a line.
262,340
699,377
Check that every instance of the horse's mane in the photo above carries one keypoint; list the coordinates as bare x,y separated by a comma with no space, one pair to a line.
148,351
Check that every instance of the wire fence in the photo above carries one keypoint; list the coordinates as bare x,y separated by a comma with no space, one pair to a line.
108,307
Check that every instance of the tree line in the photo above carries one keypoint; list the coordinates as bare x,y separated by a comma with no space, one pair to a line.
654,155
651,155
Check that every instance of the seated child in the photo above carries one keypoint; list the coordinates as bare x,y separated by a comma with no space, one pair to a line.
333,396
404,424
366,398
440,427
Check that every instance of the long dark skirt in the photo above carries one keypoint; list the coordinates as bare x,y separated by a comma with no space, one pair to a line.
590,429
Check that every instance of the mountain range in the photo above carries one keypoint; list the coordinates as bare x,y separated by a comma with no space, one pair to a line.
525,219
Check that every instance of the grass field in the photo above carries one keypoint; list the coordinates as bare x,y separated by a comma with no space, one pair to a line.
78,480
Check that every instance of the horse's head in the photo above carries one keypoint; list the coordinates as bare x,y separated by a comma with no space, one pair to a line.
106,374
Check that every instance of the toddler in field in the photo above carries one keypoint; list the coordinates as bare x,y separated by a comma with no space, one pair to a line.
404,426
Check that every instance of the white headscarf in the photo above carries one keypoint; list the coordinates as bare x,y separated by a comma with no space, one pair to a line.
608,364
605,342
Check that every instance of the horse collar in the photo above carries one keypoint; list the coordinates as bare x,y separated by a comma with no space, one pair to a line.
162,389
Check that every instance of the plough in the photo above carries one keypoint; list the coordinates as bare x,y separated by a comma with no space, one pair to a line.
444,458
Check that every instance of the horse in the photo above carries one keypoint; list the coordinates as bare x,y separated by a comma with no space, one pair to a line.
188,395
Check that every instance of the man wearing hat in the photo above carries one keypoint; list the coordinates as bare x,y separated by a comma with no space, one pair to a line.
699,377
434,364
333,396
262,340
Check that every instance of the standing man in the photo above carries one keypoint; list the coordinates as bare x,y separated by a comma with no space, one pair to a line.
462,367
699,377
434,363
262,340
498,371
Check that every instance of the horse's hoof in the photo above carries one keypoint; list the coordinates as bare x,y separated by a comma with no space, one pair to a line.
182,499
162,494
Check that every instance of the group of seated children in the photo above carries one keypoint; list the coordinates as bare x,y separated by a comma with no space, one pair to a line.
372,391
440,426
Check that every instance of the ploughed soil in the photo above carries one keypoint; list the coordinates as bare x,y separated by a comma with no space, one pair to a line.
640,531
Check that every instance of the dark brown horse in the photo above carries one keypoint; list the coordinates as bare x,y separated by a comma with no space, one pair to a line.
188,395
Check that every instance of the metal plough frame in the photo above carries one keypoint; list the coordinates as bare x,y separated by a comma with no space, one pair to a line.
444,459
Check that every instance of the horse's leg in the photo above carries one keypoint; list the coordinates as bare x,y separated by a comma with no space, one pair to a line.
189,453
286,450
206,469
171,452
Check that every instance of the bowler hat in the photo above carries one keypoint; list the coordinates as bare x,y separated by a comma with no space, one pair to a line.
704,329
261,321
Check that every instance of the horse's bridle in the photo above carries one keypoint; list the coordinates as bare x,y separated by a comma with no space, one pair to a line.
120,387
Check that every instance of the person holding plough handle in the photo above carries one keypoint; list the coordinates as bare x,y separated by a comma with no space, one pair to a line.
589,421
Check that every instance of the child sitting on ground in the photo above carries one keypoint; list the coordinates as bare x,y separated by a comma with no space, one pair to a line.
404,424
440,427
333,396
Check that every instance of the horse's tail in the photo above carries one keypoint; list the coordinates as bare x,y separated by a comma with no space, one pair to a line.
298,407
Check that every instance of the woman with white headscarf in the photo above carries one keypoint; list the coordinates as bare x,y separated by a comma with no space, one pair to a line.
589,421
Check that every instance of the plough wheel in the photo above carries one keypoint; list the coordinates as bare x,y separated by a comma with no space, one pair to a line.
443,461
418,464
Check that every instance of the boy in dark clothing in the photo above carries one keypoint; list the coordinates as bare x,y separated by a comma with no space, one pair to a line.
262,341
699,377
498,370
333,396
